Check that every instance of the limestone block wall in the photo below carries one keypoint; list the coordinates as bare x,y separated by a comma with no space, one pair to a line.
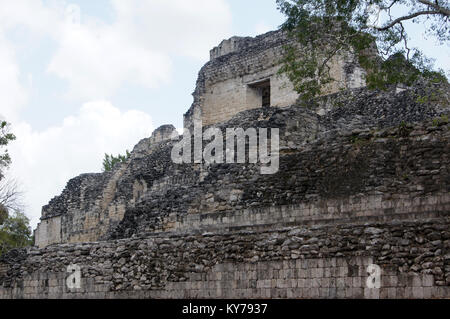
225,99
228,46
354,209
86,210
300,279
48,232
323,261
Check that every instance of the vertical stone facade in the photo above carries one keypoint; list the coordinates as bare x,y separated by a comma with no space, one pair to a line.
93,204
48,232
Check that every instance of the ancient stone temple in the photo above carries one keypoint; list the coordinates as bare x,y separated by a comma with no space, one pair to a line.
241,75
363,183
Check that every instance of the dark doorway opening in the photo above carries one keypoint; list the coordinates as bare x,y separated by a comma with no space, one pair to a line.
263,89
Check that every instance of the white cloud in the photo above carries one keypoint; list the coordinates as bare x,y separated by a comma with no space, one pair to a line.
13,95
32,14
189,28
45,160
96,57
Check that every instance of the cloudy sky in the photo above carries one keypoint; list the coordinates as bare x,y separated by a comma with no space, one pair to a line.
80,78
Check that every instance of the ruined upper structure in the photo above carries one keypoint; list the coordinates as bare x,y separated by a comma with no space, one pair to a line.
363,179
93,204
243,75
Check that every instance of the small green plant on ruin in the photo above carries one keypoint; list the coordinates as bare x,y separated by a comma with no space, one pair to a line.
422,99
443,120
358,142
110,160
436,96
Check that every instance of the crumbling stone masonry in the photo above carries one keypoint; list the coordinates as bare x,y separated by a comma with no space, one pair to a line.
363,179
243,74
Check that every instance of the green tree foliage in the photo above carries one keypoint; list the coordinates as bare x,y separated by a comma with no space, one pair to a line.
326,29
110,160
9,196
3,214
5,138
15,231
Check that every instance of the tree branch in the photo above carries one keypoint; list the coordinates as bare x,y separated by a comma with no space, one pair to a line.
389,6
438,8
408,17
405,40
9,195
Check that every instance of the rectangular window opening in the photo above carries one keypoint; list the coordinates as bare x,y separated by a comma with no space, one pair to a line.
262,89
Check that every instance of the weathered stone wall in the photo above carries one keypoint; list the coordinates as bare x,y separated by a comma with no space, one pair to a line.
93,204
224,86
324,261
48,232
335,163
348,145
